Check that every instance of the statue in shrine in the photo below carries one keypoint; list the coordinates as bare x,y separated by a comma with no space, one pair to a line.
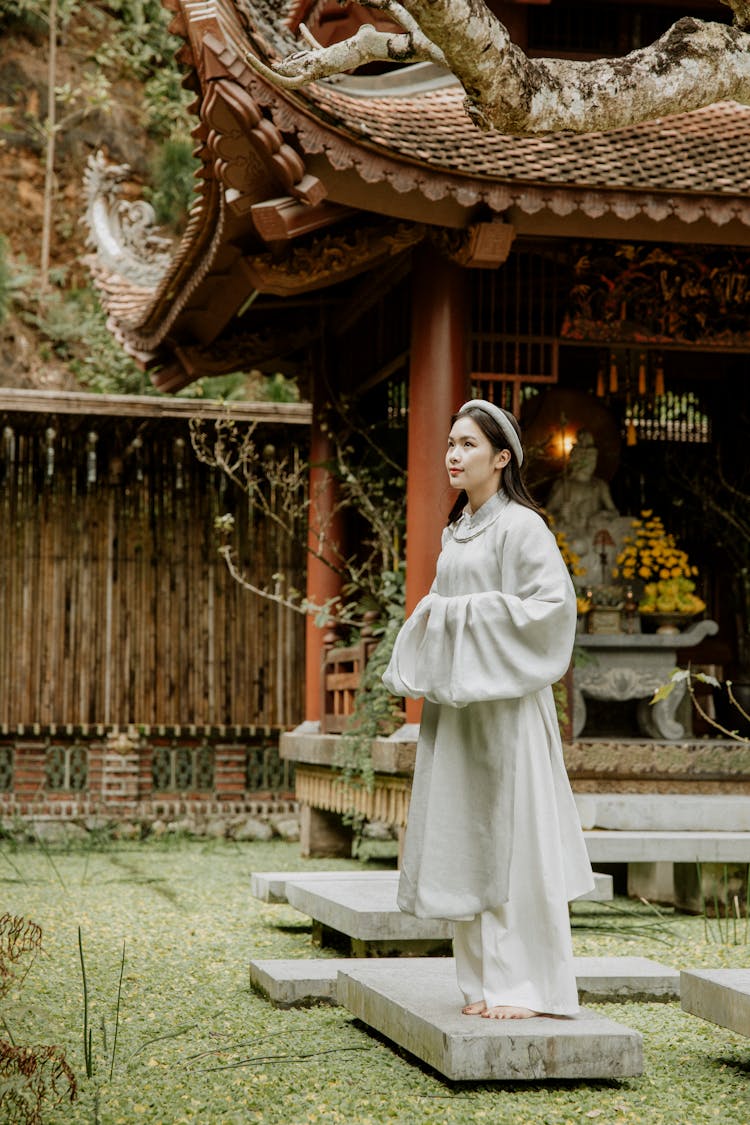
581,505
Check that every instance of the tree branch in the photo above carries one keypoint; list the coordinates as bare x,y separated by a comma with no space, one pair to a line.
367,45
693,64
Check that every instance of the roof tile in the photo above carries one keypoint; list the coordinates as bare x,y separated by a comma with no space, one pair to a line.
707,150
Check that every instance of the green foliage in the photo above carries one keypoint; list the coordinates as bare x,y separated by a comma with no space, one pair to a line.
725,912
173,180
244,386
196,1045
133,40
6,280
376,712
560,696
167,101
74,327
278,388
33,15
142,46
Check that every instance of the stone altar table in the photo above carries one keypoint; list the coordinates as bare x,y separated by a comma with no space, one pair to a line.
624,666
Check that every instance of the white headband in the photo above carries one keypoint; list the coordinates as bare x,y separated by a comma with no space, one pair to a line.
502,419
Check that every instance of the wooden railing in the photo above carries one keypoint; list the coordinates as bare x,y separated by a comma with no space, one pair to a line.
343,667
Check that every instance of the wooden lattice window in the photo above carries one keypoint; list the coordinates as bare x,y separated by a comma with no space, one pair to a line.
266,771
66,768
516,312
178,769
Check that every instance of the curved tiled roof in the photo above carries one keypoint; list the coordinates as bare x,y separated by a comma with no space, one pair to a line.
706,150
425,140
689,166
407,130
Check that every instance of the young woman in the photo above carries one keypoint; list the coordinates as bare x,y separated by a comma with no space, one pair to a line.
493,840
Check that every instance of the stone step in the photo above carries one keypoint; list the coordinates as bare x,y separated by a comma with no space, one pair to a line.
719,995
364,918
603,889
358,914
416,1004
678,847
270,886
664,812
297,983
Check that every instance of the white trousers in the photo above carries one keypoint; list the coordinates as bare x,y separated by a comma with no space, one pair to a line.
521,952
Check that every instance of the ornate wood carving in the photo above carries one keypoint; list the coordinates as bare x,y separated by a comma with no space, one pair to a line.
330,259
480,246
626,293
277,220
240,120
242,350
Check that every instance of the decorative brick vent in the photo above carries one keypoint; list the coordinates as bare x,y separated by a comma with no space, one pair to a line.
66,768
6,768
181,769
140,775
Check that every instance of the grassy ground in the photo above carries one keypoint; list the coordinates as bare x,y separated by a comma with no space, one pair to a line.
196,1045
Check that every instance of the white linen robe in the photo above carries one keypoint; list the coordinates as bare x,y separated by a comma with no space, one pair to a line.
482,649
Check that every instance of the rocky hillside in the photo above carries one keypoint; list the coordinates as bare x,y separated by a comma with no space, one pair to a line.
108,96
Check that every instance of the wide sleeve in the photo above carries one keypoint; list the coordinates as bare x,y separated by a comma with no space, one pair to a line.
495,644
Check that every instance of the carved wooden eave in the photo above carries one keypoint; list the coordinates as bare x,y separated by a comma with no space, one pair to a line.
505,192
298,190
331,258
414,140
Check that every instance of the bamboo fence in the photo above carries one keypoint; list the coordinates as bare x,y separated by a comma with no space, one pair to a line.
115,606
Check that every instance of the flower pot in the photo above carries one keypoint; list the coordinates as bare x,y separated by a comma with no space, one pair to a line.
665,623
671,623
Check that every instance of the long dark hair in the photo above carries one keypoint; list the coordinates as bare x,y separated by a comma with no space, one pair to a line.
512,478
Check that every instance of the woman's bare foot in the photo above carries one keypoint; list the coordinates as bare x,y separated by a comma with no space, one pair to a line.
478,1008
507,1012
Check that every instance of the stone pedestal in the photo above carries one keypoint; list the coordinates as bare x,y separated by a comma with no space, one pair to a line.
652,881
706,886
323,833
622,667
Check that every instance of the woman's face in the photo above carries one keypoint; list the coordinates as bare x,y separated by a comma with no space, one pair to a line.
472,461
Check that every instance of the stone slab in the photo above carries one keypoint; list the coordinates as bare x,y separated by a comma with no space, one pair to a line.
296,983
719,995
664,812
602,979
299,983
270,886
364,912
416,1004
367,911
603,889
678,847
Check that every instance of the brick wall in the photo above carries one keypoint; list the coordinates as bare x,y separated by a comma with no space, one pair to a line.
110,774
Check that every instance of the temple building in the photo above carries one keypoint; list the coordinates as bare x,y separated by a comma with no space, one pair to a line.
361,235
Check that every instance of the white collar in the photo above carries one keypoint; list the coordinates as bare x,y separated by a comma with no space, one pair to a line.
470,524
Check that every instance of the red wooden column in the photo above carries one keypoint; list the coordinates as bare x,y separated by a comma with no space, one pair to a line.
437,387
322,580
